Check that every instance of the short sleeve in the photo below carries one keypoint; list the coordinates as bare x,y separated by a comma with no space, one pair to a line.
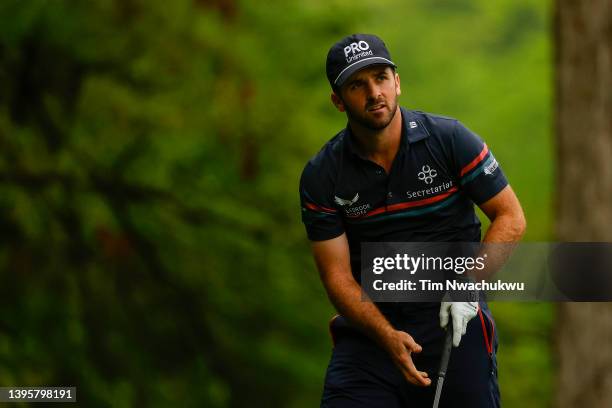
319,213
478,172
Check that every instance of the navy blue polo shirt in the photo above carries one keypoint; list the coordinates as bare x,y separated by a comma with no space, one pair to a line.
441,169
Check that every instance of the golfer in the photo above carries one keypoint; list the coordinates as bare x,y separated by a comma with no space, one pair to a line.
400,175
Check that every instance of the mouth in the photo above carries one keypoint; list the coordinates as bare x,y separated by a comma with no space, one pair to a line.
376,108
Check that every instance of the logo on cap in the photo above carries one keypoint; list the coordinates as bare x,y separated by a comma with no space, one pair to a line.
353,53
357,47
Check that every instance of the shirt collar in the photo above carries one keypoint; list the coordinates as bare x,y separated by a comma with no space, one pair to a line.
413,130
413,127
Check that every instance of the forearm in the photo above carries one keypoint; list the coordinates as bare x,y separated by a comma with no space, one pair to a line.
333,263
502,236
346,295
505,228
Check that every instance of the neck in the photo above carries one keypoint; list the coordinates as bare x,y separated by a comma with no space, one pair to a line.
382,145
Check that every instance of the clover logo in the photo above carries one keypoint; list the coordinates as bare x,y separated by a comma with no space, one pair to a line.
427,174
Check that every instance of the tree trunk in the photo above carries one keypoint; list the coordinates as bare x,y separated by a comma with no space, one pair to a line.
584,191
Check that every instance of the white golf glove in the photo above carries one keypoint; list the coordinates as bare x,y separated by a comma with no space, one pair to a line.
461,313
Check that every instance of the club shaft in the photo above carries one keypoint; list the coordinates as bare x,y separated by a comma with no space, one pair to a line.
448,346
438,392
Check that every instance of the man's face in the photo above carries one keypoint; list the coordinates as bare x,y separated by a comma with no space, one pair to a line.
369,97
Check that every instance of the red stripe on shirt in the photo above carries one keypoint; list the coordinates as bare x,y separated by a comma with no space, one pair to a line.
475,162
401,206
315,207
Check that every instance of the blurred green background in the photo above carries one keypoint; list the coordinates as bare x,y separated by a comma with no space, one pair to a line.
152,251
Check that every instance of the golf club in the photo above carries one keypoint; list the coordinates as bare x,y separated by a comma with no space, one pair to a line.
448,345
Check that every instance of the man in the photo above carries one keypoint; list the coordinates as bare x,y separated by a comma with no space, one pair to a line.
371,182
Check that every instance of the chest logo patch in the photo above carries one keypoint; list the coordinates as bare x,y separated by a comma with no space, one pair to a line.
350,211
343,202
427,174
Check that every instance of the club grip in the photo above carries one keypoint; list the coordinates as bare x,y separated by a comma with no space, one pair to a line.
448,345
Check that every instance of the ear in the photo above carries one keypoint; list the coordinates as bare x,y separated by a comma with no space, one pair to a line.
398,89
337,102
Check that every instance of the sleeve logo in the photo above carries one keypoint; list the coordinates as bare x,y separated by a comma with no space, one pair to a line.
491,166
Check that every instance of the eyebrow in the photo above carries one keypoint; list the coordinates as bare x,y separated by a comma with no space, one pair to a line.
381,70
377,72
354,81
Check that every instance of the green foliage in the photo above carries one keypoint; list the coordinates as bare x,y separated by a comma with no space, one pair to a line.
151,247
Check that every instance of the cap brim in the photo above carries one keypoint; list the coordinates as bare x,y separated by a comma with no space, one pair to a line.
356,66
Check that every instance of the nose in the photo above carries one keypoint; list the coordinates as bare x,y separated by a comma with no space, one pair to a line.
373,90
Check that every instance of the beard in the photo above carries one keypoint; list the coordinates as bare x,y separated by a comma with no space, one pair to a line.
371,120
